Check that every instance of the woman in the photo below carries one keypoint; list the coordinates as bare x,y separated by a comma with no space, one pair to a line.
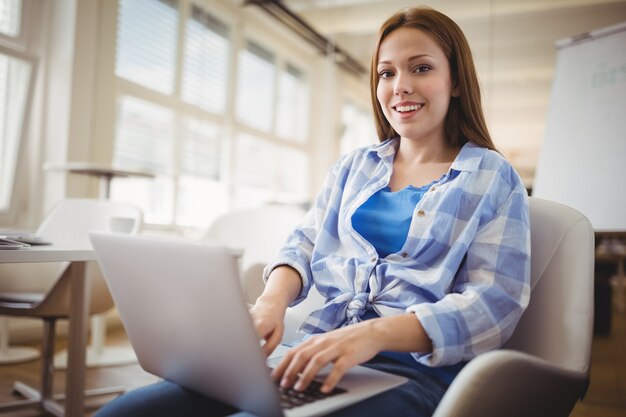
420,244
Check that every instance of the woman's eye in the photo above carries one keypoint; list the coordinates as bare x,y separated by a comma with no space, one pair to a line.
422,68
385,74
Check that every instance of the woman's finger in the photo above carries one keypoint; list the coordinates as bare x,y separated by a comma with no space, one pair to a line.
280,369
272,340
340,367
297,364
314,366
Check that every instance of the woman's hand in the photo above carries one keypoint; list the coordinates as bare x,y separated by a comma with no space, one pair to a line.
268,313
268,320
343,348
347,347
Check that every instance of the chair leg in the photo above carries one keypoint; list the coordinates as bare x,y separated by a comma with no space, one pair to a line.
41,399
47,358
47,372
44,399
47,367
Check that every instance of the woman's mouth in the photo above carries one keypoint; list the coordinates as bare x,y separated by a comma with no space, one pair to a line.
404,109
407,109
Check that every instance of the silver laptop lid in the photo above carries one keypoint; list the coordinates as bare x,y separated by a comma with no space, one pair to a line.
155,292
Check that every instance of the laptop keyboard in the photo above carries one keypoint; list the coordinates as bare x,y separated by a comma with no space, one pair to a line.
290,398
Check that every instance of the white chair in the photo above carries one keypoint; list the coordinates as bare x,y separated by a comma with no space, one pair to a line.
544,368
47,297
259,233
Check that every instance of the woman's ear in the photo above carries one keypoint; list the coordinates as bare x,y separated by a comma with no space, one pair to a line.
456,92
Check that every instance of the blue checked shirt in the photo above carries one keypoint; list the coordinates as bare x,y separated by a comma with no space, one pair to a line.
464,269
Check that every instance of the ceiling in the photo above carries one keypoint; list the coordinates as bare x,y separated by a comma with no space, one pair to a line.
513,46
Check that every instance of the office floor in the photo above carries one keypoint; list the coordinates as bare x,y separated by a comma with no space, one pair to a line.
606,396
127,376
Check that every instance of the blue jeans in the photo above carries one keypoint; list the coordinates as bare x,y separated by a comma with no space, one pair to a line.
418,398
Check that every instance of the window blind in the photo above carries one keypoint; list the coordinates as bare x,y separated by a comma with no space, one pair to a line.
256,80
10,16
15,79
201,150
175,133
145,141
291,120
146,43
144,137
4,145
206,62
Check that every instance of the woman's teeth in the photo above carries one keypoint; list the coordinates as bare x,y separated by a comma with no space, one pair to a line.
412,107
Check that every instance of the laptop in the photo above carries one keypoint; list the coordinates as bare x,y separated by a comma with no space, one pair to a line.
183,308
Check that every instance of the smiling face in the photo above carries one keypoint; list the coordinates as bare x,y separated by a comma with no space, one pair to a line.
414,85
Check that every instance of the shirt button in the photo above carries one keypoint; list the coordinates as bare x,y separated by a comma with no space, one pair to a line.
421,213
433,188
404,254
373,259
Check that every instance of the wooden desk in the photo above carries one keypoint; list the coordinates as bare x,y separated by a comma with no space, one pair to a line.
78,315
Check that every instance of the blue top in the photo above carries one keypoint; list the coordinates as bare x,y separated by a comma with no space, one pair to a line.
463,270
384,219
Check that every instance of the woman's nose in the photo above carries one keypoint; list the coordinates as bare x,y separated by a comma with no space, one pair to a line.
402,85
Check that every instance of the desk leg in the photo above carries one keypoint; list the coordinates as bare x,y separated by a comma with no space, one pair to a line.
77,343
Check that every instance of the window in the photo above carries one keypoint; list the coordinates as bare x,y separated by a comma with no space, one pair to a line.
201,188
16,79
268,172
292,120
155,130
221,127
146,39
10,17
207,51
357,128
145,142
255,87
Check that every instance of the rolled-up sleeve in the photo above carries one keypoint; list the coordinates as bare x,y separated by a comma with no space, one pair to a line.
491,289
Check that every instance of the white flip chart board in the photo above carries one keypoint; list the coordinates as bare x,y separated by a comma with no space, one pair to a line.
583,160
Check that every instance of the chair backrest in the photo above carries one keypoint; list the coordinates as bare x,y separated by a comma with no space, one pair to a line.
70,220
558,323
69,223
259,233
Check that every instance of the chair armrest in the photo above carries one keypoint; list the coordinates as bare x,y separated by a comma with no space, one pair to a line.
511,383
